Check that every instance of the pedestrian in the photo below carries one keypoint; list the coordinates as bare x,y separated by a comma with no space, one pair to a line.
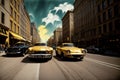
0,48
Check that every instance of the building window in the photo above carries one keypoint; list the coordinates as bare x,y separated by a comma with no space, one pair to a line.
103,4
11,11
2,17
110,26
117,24
15,4
104,16
98,8
116,0
15,15
10,24
18,7
110,13
10,1
104,28
99,19
3,2
109,2
14,27
99,30
116,10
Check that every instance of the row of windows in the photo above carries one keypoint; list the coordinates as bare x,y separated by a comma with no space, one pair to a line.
15,4
14,27
14,14
110,13
105,28
104,4
3,2
2,18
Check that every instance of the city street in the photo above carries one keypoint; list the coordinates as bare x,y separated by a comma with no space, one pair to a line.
93,67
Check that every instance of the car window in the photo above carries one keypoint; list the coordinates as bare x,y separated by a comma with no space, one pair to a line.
40,44
68,45
20,44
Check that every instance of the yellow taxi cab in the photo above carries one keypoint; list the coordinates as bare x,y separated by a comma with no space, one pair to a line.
68,50
40,51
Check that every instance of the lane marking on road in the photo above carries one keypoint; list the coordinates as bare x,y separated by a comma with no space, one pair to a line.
38,72
104,63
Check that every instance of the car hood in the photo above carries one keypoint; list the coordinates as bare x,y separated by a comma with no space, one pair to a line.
72,49
40,48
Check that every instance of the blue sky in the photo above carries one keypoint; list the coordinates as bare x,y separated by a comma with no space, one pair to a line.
47,14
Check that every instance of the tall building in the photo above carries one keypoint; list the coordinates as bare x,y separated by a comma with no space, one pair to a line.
24,23
51,41
58,36
84,21
108,24
4,21
14,22
67,27
96,22
34,33
14,33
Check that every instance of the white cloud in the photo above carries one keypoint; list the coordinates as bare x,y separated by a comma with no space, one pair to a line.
64,7
43,33
31,17
51,18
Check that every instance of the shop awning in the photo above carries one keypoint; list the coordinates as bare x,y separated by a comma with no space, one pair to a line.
16,36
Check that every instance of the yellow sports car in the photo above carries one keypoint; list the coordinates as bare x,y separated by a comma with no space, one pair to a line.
68,50
40,51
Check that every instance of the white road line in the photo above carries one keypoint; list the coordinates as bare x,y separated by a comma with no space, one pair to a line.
38,72
104,63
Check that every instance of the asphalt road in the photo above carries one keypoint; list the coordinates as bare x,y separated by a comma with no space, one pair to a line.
93,67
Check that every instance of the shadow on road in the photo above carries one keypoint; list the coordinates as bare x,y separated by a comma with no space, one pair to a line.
29,60
111,54
11,56
67,59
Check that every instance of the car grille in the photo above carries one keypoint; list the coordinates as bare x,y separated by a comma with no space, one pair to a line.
40,52
13,49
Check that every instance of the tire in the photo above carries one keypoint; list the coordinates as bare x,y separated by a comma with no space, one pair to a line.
62,55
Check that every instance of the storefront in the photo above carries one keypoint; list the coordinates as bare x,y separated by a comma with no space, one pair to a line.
14,38
3,35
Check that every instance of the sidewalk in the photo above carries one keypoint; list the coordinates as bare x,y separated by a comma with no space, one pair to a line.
112,53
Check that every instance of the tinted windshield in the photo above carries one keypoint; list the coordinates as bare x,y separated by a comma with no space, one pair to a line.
40,44
20,44
68,45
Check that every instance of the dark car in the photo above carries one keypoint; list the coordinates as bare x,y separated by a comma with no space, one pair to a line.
19,48
92,49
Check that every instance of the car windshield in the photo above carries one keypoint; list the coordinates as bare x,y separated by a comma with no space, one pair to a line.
40,44
19,44
68,45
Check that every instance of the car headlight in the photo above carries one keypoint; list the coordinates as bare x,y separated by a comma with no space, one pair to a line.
67,51
49,52
84,51
31,51
19,49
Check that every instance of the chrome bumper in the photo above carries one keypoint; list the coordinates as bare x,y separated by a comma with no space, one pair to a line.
40,55
13,52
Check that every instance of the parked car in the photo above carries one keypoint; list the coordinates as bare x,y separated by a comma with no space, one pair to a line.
40,51
68,50
92,49
20,48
